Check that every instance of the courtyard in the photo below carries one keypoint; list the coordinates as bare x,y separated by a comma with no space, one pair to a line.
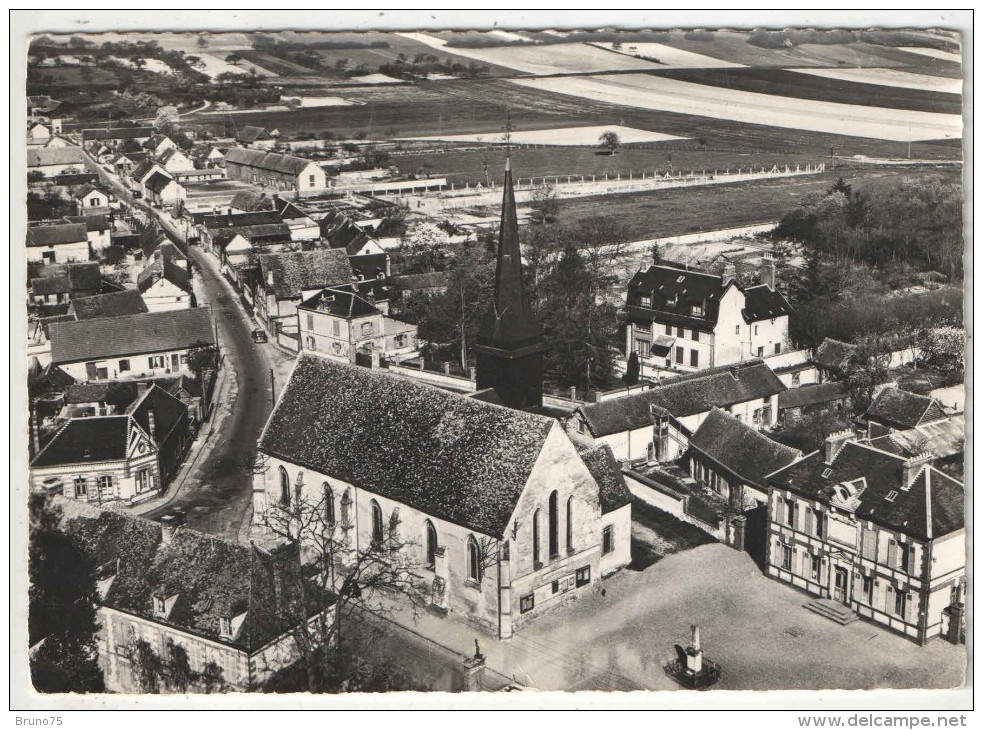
618,636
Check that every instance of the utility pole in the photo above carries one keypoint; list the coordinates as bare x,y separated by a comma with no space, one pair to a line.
272,387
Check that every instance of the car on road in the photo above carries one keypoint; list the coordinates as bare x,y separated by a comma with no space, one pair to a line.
136,193
259,335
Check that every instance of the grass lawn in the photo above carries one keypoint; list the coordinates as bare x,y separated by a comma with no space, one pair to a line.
656,534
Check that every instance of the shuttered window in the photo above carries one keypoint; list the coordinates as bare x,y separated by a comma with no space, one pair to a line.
810,521
869,544
892,553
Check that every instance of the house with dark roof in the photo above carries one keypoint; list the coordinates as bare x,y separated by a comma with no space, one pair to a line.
51,161
173,160
273,170
342,323
165,285
870,533
162,189
815,398
507,515
894,409
98,229
212,225
56,283
132,346
226,604
158,144
655,424
91,199
832,357
681,319
734,460
115,304
287,279
258,138
241,245
105,398
116,137
57,243
98,459
165,419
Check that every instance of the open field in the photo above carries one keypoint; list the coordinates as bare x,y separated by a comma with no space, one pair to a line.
669,56
481,106
934,53
888,77
542,60
664,213
657,92
563,136
789,84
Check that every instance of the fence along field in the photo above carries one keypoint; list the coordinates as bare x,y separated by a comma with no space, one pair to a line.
656,92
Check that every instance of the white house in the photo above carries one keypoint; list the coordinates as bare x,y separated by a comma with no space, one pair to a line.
132,346
684,320
165,286
91,199
174,160
162,189
225,607
287,279
159,144
273,170
51,161
57,243
97,229
504,516
38,135
876,534
655,424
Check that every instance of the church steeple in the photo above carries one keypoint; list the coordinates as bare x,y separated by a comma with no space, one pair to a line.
510,341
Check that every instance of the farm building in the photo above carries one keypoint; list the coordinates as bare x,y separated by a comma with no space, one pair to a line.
258,138
58,243
117,137
280,172
38,135
681,319
894,409
114,304
51,161
56,283
174,160
508,519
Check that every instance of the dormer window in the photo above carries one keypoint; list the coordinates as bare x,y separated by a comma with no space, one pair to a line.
680,279
696,310
826,473
225,627
645,301
159,606
891,496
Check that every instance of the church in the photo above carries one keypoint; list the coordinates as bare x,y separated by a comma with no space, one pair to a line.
504,516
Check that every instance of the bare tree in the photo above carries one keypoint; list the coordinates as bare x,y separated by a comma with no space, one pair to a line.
373,579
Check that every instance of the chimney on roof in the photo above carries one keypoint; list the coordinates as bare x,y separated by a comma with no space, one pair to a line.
733,371
913,467
834,442
729,273
269,279
767,272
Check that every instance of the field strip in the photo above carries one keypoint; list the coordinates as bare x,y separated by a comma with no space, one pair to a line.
887,77
933,53
565,136
668,56
645,91
542,60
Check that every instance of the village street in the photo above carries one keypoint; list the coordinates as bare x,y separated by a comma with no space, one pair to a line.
757,629
214,490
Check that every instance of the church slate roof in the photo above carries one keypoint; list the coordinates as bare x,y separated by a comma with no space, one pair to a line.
452,457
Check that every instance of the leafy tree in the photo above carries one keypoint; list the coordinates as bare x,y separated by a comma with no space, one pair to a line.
633,369
177,668
545,203
609,141
62,606
944,349
423,250
867,367
234,58
202,41
201,359
166,116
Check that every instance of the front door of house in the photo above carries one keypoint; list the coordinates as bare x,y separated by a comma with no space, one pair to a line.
841,590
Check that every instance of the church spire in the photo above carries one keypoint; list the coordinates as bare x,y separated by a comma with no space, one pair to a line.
509,341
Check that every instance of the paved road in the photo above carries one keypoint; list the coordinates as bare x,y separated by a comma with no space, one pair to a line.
216,496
